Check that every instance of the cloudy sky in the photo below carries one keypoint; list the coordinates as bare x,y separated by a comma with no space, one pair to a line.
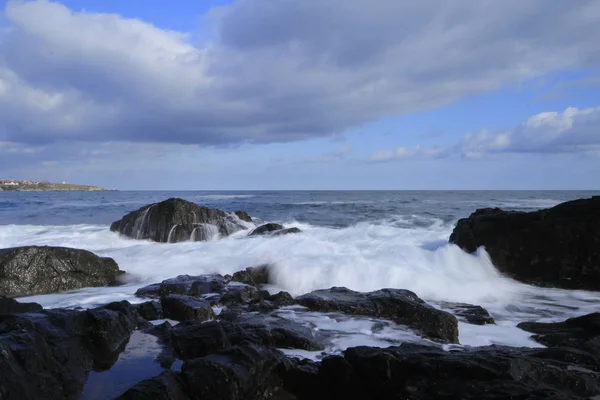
302,94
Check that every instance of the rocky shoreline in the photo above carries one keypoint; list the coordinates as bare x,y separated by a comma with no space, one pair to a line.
222,337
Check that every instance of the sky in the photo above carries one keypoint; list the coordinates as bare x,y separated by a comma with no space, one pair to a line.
301,94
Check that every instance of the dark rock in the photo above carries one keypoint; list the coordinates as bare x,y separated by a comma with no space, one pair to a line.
246,372
182,308
11,306
282,299
166,357
266,228
47,355
150,291
580,332
400,306
254,276
176,220
166,386
286,231
302,378
185,284
239,293
423,372
33,270
243,215
557,247
193,340
150,310
471,314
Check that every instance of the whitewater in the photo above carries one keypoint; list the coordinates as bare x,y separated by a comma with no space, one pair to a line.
364,241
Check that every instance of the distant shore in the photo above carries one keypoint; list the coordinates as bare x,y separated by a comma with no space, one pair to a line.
31,186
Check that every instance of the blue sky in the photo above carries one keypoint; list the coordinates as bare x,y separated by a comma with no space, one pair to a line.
256,94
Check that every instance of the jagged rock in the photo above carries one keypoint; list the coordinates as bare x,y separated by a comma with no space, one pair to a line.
176,220
557,247
150,310
246,372
426,372
11,306
239,293
243,215
47,355
193,340
272,302
255,276
34,270
580,332
166,386
185,284
401,306
182,308
470,313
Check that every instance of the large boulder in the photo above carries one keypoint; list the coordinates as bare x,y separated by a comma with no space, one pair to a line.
182,308
557,247
31,270
401,306
177,220
414,371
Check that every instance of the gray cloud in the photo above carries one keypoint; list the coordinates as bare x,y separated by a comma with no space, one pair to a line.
273,71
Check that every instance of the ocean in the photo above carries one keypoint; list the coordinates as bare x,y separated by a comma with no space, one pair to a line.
363,240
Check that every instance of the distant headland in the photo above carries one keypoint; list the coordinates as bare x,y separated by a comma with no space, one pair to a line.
43,186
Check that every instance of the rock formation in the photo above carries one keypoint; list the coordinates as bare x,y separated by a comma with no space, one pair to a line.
556,247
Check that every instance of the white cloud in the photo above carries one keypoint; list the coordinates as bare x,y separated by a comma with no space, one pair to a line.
572,131
268,76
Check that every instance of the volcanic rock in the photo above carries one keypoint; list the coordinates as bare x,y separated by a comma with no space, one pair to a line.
31,270
11,306
166,386
182,308
177,220
401,306
556,247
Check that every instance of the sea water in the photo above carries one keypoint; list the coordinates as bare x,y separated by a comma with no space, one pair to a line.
361,240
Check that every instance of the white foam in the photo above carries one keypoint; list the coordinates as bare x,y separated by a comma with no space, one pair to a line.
363,257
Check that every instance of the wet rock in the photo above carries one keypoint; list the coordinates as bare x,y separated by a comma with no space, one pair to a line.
400,306
11,306
182,308
556,247
272,302
162,332
423,372
47,355
150,310
176,220
34,270
266,228
246,372
166,386
469,313
580,332
243,215
286,231
282,299
239,293
193,340
185,284
254,276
